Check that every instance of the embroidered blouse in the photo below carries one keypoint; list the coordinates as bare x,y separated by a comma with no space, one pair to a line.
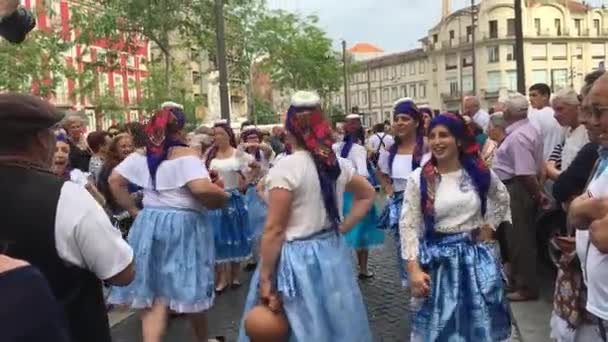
457,208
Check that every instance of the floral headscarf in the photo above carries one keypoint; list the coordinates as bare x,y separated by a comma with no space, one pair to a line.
408,107
160,130
471,162
307,124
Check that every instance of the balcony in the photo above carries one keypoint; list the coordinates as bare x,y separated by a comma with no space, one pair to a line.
451,97
490,93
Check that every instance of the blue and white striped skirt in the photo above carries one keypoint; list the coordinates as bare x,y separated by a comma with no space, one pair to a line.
174,261
319,291
389,220
467,300
232,232
257,211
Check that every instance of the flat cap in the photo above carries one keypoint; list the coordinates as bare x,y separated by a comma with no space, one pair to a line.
21,113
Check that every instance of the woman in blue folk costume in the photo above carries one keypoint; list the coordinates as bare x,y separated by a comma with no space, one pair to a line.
251,139
171,237
365,234
452,205
306,268
233,235
395,166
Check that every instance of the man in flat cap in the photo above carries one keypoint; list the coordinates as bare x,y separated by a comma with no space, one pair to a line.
54,225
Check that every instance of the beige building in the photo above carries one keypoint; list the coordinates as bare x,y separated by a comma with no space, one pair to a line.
563,40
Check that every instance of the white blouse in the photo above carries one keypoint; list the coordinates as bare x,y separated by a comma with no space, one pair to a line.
172,178
402,167
230,169
457,208
357,156
298,174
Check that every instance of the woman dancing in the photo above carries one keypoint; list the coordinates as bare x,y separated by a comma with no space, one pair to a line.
306,268
452,205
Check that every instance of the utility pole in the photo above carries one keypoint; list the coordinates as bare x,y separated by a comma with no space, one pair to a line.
221,59
519,49
474,58
344,62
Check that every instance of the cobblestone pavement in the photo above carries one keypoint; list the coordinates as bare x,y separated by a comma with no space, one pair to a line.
385,299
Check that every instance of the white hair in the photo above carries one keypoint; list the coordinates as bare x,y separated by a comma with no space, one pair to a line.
472,98
517,105
498,120
567,96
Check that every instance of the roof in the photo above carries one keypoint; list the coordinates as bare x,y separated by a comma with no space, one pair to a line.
572,5
395,58
365,48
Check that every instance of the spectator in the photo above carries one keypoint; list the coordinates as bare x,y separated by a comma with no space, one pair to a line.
80,154
472,109
497,127
113,131
379,142
518,162
542,117
120,148
99,142
277,140
136,131
56,226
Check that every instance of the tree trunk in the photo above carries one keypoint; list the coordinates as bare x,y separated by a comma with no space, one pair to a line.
98,120
167,73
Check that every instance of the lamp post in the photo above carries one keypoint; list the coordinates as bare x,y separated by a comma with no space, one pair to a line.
221,59
519,49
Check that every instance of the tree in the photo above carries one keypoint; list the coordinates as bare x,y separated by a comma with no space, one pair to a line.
264,113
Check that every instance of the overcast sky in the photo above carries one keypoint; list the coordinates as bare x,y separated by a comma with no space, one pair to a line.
394,25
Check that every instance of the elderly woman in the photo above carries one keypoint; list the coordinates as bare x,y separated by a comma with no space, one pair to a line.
497,128
306,269
80,154
566,105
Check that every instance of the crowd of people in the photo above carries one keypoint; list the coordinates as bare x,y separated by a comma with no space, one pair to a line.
166,220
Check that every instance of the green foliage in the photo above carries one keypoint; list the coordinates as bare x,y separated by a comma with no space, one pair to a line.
264,113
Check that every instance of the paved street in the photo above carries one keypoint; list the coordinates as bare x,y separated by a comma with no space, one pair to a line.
386,303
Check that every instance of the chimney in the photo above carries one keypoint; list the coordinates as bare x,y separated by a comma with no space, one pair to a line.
445,9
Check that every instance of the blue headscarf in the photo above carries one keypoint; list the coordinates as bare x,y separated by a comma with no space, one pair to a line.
161,131
471,162
408,107
354,134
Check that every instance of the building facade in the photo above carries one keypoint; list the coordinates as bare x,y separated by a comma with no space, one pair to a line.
563,41
124,81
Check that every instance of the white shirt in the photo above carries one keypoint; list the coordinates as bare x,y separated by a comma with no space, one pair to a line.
402,167
544,121
457,208
575,140
297,173
172,177
482,118
230,169
84,236
373,142
593,262
357,156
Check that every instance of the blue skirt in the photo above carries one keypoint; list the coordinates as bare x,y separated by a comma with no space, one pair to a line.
174,261
372,179
467,300
257,211
365,234
232,233
389,220
318,287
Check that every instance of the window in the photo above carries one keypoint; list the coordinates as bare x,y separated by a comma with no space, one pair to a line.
537,27
469,34
451,62
132,90
142,63
577,26
364,97
413,91
493,81
451,37
385,73
558,26
374,96
598,51
394,72
196,77
403,69
422,92
512,80
404,91
467,83
435,38
412,69
101,57
467,60
130,61
596,26
559,79
539,76
385,95
493,54
374,72
453,82
103,84
395,93
354,98
578,52
61,89
510,27
539,52
559,51
421,67
510,52
118,86
493,28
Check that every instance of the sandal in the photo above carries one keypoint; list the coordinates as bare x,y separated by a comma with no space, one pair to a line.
367,275
221,289
236,284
